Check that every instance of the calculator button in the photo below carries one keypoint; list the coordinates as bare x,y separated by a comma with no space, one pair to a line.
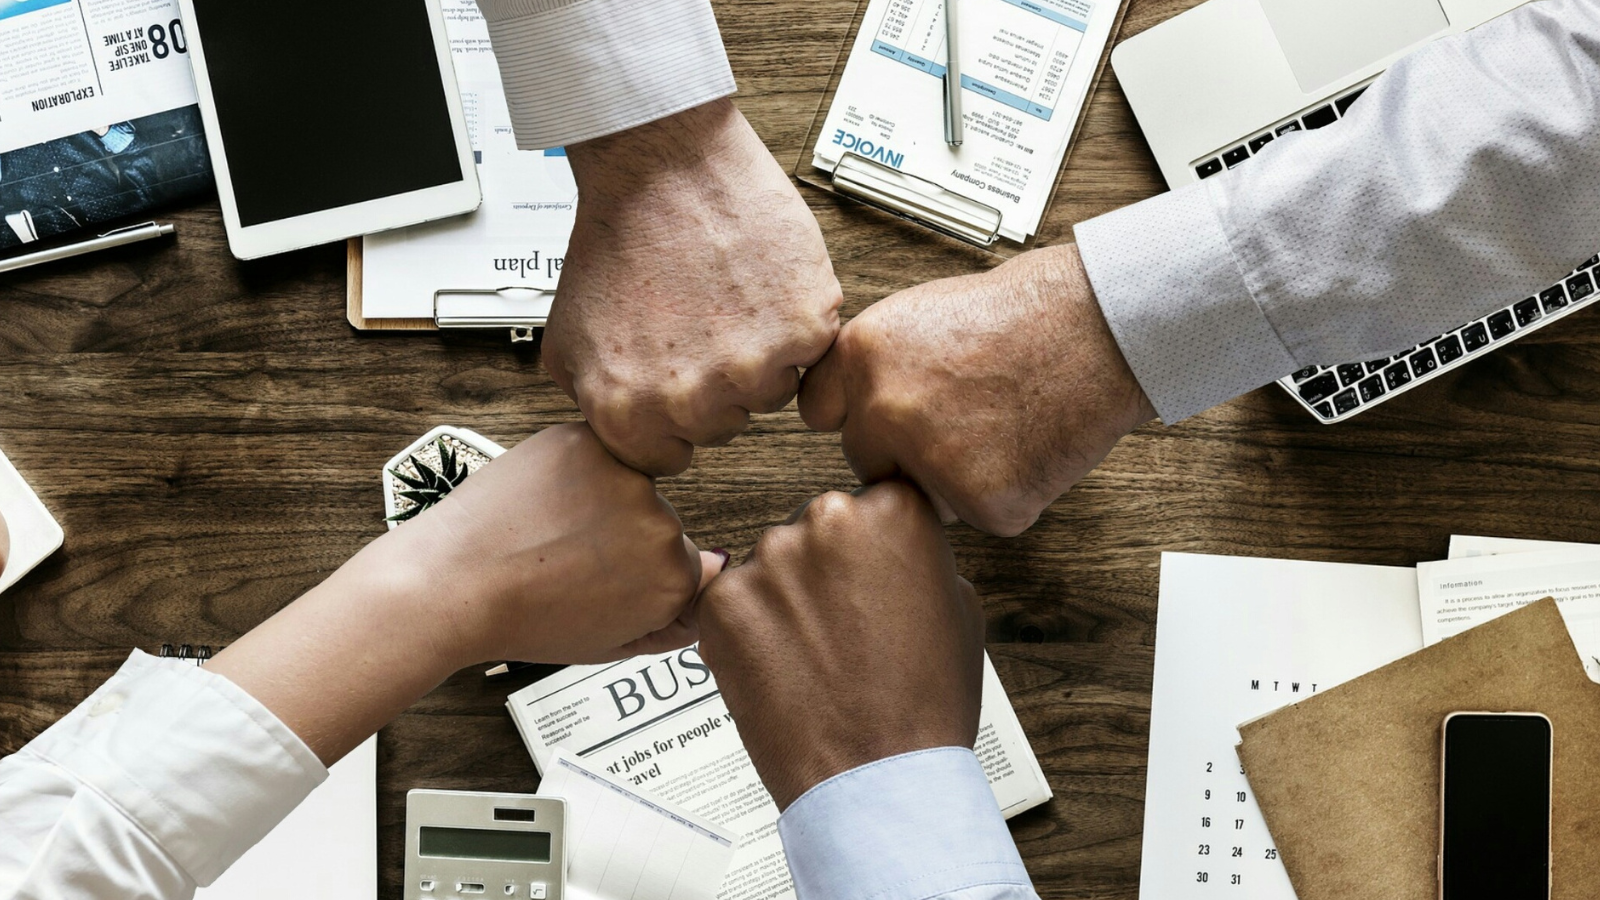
538,891
426,886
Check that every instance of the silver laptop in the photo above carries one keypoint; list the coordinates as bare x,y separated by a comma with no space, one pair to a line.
1214,86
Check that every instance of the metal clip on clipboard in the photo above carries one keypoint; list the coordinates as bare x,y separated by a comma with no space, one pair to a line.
521,309
916,199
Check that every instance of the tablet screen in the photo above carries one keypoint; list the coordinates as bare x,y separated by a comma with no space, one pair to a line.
325,104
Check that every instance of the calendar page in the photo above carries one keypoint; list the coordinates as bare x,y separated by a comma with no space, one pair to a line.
1235,639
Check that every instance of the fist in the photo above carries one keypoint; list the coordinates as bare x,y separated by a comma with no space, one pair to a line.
994,392
558,553
846,637
696,285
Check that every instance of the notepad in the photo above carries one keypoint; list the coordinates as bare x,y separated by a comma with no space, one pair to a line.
623,846
329,843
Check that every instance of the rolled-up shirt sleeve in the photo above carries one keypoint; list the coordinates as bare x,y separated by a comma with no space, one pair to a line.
1466,178
913,827
155,784
581,69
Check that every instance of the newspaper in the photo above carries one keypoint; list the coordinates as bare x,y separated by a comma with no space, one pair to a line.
97,114
659,723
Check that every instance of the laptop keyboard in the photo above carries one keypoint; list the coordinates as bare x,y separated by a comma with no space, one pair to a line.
1335,393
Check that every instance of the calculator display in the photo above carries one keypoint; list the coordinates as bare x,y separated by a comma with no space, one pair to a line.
484,844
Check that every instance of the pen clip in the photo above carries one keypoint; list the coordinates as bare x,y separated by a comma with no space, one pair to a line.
127,228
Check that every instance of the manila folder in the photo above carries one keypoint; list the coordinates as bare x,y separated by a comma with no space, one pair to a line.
1349,779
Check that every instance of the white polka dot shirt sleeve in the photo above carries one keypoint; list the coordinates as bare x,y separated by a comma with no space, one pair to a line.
1466,178
155,784
581,69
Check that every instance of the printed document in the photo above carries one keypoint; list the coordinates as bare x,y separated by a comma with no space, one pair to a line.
71,66
658,724
623,846
516,239
1458,594
1236,639
1026,67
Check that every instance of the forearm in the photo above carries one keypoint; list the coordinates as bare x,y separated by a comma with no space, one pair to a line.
1465,178
575,70
346,658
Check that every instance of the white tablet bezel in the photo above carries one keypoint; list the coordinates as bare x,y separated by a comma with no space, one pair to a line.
340,223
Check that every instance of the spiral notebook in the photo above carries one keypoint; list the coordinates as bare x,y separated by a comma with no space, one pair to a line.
329,843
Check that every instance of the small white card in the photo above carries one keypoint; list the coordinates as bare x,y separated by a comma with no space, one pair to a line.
34,532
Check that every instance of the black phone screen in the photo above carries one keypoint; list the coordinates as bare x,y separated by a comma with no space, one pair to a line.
1496,842
323,105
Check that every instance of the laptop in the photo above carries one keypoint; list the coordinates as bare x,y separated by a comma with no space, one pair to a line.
1214,86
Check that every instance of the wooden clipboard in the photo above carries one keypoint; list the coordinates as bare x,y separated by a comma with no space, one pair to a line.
353,312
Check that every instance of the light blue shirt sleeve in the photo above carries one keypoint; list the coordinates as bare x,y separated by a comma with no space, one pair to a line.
1463,181
910,827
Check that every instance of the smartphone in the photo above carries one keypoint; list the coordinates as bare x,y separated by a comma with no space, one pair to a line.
1494,823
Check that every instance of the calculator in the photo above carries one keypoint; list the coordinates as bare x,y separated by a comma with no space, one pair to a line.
465,845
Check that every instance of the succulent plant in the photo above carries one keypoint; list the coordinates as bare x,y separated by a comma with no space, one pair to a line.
428,487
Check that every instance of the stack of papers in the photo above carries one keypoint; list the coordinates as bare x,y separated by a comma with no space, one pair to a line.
1239,638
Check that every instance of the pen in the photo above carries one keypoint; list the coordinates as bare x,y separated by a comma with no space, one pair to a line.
953,131
130,235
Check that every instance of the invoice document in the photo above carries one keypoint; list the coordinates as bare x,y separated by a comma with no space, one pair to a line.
516,239
624,846
1026,67
1236,639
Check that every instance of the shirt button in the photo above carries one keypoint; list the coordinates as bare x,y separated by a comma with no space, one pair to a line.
108,703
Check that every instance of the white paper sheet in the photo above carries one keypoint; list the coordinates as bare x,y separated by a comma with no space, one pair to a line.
329,844
1458,594
516,239
1026,66
624,846
1236,639
1463,546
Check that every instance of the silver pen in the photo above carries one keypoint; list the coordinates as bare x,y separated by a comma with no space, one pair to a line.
953,126
121,236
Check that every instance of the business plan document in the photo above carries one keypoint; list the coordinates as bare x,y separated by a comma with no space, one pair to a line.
516,239
1236,639
1026,67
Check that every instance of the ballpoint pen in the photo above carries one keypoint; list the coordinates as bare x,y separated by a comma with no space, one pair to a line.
953,131
121,236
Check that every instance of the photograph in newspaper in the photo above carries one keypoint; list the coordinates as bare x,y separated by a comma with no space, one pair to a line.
658,723
97,115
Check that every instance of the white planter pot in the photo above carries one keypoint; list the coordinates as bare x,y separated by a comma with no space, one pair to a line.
34,534
456,438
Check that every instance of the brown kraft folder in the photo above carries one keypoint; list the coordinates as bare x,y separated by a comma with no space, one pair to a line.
1349,779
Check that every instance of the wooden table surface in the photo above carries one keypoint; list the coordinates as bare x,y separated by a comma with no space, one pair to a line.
209,434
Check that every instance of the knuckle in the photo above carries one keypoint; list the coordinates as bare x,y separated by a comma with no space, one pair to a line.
831,510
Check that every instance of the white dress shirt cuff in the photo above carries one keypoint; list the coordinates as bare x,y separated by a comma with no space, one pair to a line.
919,825
1178,305
581,69
188,757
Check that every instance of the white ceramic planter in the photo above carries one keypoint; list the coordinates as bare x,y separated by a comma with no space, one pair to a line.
394,504
33,531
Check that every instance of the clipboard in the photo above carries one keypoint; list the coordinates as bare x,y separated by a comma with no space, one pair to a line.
903,197
522,311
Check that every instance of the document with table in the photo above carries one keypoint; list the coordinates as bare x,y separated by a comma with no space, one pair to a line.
1238,638
1026,68
623,845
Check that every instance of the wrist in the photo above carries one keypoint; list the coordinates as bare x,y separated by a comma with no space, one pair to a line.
694,150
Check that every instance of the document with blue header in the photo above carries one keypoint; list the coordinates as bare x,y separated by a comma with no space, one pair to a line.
1026,68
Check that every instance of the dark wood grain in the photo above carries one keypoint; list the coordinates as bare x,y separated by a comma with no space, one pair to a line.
209,435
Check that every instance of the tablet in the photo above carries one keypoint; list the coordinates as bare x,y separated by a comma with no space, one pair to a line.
326,120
